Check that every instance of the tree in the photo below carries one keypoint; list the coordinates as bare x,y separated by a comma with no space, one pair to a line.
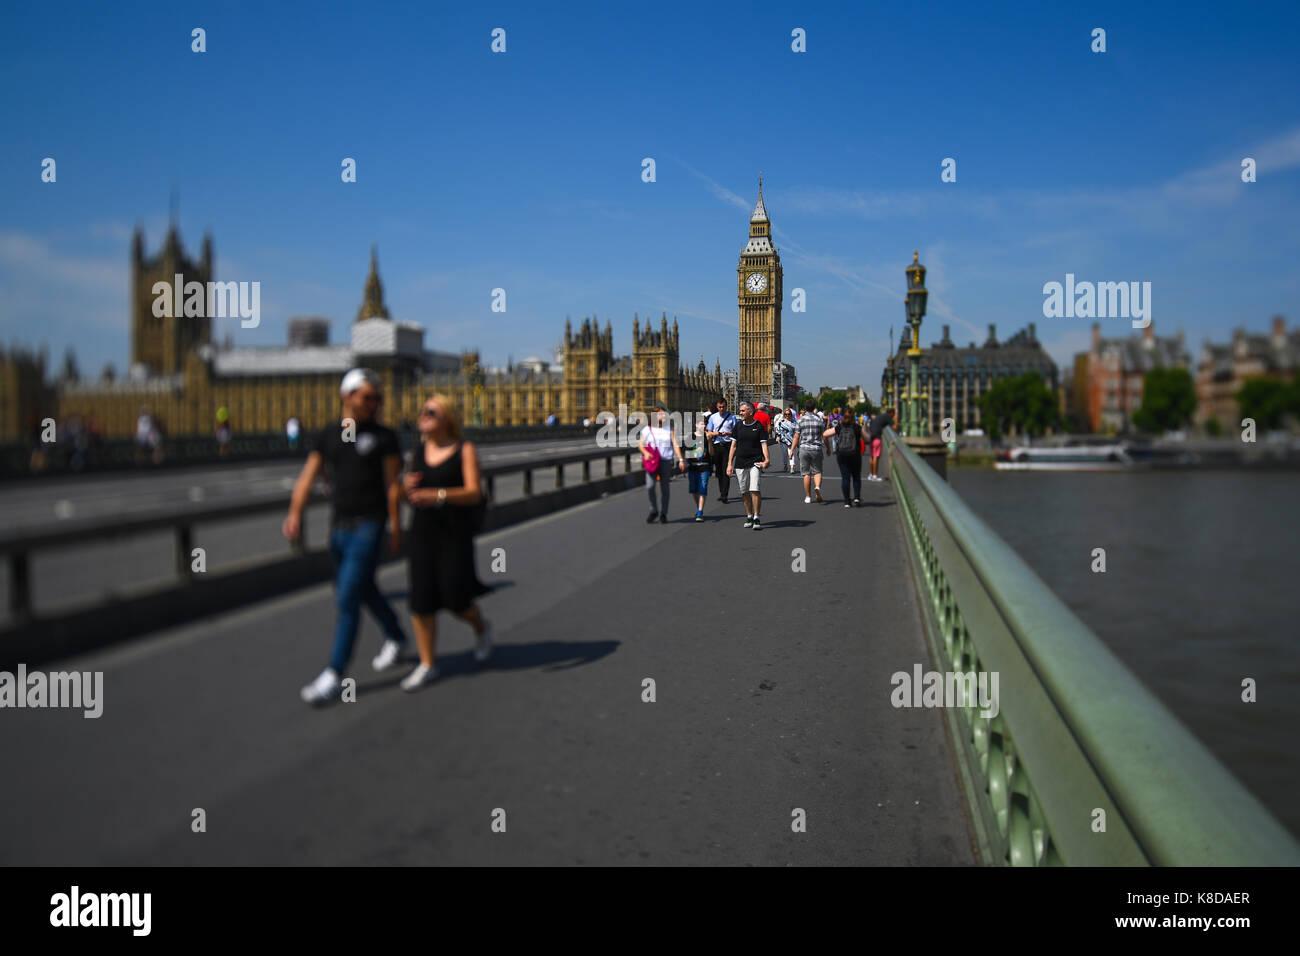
1024,403
1269,401
828,400
1168,400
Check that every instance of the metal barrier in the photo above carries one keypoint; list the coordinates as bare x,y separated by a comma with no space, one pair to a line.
1075,732
18,546
122,454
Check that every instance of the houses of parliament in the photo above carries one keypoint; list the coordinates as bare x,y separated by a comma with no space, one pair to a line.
181,377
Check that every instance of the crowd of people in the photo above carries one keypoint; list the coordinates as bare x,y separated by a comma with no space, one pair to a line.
440,482
726,445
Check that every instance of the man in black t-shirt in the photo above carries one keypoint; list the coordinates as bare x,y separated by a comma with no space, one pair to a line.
748,457
363,459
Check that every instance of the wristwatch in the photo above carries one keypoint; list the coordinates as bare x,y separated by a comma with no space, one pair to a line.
442,496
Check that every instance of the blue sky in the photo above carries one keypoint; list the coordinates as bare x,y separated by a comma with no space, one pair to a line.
523,170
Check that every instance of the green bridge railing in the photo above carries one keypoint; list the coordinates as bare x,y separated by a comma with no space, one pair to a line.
1075,731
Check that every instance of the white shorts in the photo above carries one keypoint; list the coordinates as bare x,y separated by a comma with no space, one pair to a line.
748,478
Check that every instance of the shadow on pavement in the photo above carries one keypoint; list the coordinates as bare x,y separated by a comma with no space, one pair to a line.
547,655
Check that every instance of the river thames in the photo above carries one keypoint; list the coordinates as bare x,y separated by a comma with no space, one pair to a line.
1200,591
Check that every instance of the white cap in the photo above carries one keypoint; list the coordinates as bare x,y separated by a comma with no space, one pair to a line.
356,378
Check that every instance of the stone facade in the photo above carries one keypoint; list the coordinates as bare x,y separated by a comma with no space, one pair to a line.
954,378
1117,369
1221,370
759,279
182,378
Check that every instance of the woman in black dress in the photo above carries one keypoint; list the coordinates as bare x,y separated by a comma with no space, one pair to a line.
443,486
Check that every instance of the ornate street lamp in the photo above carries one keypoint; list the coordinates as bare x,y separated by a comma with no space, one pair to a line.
915,304
916,425
887,393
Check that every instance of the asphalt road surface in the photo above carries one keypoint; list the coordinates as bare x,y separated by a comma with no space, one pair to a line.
772,696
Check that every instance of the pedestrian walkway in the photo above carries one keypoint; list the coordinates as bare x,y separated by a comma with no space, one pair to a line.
772,696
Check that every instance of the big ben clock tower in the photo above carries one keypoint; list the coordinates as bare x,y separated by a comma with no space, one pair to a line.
759,291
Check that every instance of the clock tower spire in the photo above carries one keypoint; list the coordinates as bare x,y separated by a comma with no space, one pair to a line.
759,291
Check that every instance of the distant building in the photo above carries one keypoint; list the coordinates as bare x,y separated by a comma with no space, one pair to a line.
853,394
183,377
25,399
308,330
1222,369
1116,369
954,378
759,278
161,343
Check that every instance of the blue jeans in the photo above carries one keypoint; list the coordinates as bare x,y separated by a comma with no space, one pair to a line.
355,550
664,474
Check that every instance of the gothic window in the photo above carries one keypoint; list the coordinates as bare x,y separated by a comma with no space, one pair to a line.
580,398
650,366
582,368
523,401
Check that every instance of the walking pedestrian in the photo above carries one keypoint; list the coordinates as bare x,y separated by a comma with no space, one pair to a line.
292,429
143,429
719,432
748,458
786,429
698,464
364,460
223,431
660,451
876,431
848,455
443,488
808,446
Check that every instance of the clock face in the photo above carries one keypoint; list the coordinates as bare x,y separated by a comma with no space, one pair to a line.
756,282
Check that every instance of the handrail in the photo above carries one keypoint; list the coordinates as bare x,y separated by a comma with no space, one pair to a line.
18,544
122,453
1075,731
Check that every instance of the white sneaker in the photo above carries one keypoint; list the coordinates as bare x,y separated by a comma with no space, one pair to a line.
420,677
323,688
807,500
387,655
483,643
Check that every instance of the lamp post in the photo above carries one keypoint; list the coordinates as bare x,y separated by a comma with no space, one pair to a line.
916,427
887,393
915,302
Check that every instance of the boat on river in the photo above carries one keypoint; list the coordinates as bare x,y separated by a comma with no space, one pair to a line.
1074,455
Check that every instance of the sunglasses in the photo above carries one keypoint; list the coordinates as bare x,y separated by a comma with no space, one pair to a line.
431,412
370,397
